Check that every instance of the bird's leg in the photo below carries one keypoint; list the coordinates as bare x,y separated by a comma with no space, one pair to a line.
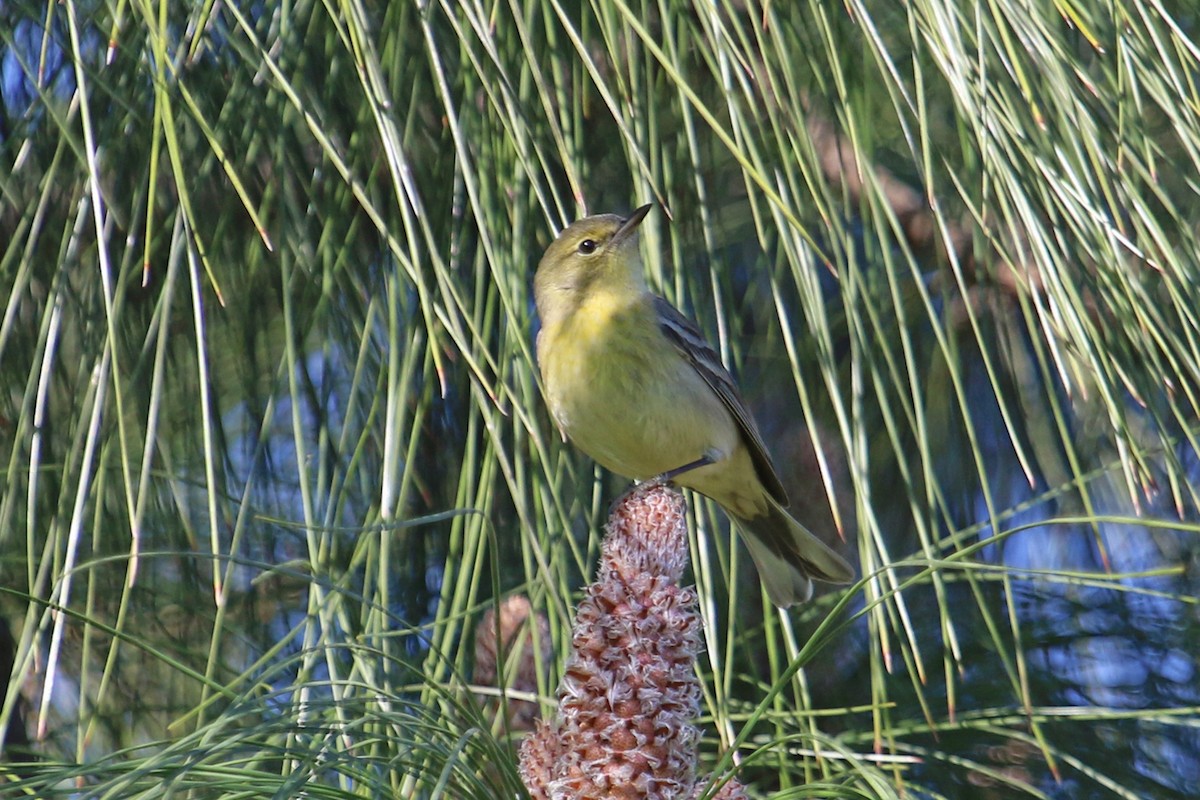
669,475
672,474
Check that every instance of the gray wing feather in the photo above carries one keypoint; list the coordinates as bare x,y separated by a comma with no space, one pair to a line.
687,339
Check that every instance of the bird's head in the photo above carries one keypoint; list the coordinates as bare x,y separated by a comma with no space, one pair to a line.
597,253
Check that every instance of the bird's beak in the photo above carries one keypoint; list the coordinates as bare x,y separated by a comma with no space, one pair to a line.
631,223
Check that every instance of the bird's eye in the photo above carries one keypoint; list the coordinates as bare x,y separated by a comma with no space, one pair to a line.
587,246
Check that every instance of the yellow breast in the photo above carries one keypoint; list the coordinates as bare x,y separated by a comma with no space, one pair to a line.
623,394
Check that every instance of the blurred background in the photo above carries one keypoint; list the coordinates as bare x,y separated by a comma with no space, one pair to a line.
272,440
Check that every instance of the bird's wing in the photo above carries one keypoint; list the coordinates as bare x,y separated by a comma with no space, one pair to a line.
682,333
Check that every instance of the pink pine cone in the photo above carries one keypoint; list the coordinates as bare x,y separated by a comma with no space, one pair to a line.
629,692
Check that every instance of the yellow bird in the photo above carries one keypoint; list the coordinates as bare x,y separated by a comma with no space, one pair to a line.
632,383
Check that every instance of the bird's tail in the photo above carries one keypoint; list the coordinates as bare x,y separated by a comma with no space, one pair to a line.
789,556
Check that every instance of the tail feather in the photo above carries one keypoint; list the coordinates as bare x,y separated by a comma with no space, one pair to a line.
789,556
